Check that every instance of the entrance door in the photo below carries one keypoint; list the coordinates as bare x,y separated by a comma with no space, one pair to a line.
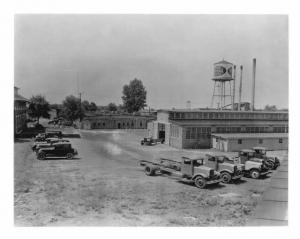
119,125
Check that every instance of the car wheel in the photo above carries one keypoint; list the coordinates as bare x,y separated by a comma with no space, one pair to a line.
200,182
254,173
226,177
149,171
70,155
41,156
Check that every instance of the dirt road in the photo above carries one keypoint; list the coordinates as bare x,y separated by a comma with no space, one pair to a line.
105,186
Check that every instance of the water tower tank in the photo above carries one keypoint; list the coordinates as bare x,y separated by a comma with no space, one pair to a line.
223,71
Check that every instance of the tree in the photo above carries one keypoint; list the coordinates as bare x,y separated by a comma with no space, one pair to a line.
71,108
39,107
270,108
134,96
112,107
93,106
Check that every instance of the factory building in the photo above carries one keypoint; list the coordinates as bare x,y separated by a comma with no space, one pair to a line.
115,121
187,128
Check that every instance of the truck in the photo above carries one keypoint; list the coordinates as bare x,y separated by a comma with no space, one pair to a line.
254,167
189,169
229,169
261,153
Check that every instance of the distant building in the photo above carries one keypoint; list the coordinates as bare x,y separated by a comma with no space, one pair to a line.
20,112
182,128
115,121
236,142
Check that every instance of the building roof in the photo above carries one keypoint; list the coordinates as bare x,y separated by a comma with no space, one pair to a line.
20,98
251,135
223,62
117,116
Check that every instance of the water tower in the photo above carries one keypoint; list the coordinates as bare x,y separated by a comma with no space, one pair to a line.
222,93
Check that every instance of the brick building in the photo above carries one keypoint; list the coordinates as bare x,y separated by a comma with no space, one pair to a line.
115,121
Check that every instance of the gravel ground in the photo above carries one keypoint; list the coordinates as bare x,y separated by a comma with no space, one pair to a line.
104,186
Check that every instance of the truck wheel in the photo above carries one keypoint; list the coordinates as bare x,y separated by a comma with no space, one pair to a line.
254,173
41,156
226,177
69,155
149,171
200,182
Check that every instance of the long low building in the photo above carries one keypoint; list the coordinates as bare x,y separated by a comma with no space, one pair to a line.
193,128
114,121
236,142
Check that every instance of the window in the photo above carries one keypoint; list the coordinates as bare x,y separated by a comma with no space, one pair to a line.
188,133
239,141
280,141
193,133
260,141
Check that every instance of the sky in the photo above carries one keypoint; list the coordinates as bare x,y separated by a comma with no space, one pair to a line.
173,55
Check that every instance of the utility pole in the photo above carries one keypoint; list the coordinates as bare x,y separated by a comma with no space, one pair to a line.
233,90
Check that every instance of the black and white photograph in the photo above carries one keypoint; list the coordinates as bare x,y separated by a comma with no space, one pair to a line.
151,120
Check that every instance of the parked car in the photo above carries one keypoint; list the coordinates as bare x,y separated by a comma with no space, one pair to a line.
150,141
254,167
261,153
60,149
228,168
47,143
49,134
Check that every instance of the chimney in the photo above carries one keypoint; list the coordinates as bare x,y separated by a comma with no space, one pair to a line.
240,90
233,90
253,83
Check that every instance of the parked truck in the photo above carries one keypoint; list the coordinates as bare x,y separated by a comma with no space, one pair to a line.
261,153
254,167
229,169
189,169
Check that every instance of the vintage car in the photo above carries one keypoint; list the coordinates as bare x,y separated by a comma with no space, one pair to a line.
228,168
150,141
60,149
50,134
47,143
261,153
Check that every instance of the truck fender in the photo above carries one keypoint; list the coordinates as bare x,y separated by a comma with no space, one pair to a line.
227,171
199,174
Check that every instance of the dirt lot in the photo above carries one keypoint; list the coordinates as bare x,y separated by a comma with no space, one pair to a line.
104,186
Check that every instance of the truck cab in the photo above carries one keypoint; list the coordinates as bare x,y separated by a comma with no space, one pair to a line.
196,170
271,162
228,168
254,167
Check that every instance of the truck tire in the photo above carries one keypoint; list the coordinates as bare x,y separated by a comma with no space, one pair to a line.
200,182
254,173
226,177
41,156
69,155
149,171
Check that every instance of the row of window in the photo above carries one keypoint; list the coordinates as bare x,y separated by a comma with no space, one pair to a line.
251,129
229,115
260,141
117,125
174,131
197,132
